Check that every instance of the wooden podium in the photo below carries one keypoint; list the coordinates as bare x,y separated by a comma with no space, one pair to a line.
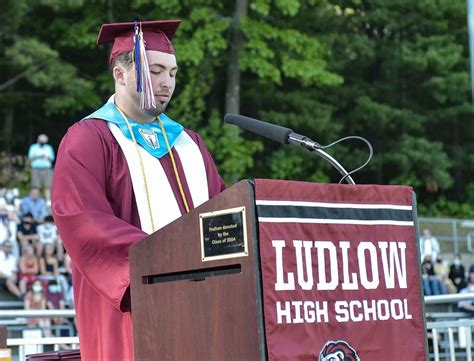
187,308
335,269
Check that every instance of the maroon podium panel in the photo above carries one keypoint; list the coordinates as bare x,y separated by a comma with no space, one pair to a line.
340,272
195,285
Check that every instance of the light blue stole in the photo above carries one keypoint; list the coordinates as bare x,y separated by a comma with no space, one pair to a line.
148,135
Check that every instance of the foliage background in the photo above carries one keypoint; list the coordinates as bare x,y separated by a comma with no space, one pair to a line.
393,71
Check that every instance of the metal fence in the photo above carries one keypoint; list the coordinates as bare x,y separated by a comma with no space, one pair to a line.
449,334
454,235
31,340
450,340
25,346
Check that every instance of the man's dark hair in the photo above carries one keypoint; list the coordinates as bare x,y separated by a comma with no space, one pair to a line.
125,59
49,218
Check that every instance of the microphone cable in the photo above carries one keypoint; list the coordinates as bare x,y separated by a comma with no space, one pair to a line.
371,153
285,135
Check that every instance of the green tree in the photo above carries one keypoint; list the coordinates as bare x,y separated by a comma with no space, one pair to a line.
393,71
37,83
406,89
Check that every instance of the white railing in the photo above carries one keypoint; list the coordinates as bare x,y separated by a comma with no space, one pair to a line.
32,345
28,345
37,313
454,234
451,298
458,339
451,339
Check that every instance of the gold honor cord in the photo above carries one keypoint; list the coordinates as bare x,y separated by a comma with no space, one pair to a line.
183,196
143,167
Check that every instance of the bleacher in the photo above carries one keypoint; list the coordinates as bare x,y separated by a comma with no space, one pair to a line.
449,332
18,328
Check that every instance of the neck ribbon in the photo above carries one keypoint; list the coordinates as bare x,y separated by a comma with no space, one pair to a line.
148,135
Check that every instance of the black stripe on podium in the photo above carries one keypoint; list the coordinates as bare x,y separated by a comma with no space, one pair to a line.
362,214
194,275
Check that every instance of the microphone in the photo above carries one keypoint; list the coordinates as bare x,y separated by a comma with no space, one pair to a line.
271,131
287,136
274,132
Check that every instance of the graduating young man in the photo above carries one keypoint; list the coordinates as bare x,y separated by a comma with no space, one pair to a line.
122,173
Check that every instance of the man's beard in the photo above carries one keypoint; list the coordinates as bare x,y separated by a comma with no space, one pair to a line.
154,112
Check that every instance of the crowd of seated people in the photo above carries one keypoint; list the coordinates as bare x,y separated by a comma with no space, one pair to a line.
32,254
442,277
468,305
33,264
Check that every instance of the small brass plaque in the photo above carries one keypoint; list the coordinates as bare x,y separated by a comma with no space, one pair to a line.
223,234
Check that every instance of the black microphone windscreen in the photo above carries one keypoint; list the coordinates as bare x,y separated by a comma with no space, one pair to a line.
272,131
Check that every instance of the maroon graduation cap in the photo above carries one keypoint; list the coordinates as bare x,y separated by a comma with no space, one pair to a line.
157,35
140,37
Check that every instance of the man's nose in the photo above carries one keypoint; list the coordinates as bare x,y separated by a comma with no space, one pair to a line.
166,81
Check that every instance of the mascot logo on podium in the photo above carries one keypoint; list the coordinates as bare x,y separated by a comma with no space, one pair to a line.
338,351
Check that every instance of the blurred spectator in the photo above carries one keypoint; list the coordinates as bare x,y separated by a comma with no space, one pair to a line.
48,234
457,273
60,251
49,268
431,284
41,156
3,208
429,246
34,205
35,299
13,201
48,263
55,300
8,226
468,305
4,229
29,268
9,269
26,232
68,268
441,269
10,195
68,294
5,232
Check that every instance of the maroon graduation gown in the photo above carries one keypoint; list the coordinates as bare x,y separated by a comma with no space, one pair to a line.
96,214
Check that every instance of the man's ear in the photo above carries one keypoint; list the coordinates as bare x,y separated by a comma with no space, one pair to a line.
119,74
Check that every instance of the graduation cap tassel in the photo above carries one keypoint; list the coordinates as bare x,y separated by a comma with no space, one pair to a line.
136,57
147,97
144,85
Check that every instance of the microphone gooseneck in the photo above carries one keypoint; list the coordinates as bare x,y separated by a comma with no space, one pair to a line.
287,136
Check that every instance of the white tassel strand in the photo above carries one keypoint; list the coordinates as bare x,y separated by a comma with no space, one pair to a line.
147,97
